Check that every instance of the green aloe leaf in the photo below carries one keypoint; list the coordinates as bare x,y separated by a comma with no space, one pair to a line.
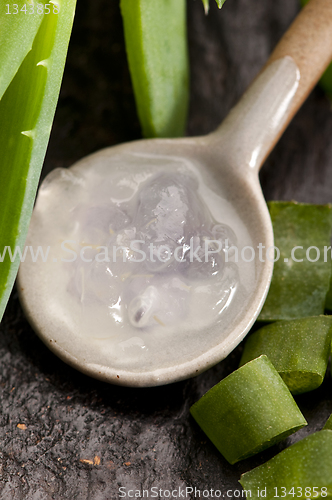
220,3
17,32
156,44
26,115
206,4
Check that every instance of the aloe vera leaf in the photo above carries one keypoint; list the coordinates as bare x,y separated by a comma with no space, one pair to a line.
305,464
206,3
17,32
156,44
248,411
328,424
298,289
220,3
27,110
299,349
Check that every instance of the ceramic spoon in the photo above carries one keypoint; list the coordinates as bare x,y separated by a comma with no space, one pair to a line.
226,163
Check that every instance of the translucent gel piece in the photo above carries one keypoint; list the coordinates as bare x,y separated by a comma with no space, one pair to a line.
154,261
138,251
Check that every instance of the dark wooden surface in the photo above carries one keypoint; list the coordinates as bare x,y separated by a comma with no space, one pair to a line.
146,438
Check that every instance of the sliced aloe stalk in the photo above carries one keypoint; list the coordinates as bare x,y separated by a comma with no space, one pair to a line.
248,411
299,350
299,286
156,44
26,111
301,471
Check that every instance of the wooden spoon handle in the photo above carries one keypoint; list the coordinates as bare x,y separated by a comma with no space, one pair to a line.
309,42
254,125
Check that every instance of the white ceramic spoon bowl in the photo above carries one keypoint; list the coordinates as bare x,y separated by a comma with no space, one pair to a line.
227,163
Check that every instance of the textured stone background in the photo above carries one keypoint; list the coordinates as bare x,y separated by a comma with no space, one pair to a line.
144,438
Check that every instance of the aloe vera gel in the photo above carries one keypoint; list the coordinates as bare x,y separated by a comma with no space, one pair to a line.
136,266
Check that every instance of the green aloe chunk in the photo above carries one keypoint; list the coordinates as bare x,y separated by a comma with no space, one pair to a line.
156,44
27,110
326,80
304,470
248,411
299,350
299,286
328,424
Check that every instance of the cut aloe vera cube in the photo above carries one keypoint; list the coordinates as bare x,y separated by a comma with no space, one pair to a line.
299,287
299,350
248,411
328,424
304,470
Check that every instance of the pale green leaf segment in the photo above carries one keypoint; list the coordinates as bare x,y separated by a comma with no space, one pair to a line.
299,350
248,411
17,32
299,285
26,114
303,470
156,44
